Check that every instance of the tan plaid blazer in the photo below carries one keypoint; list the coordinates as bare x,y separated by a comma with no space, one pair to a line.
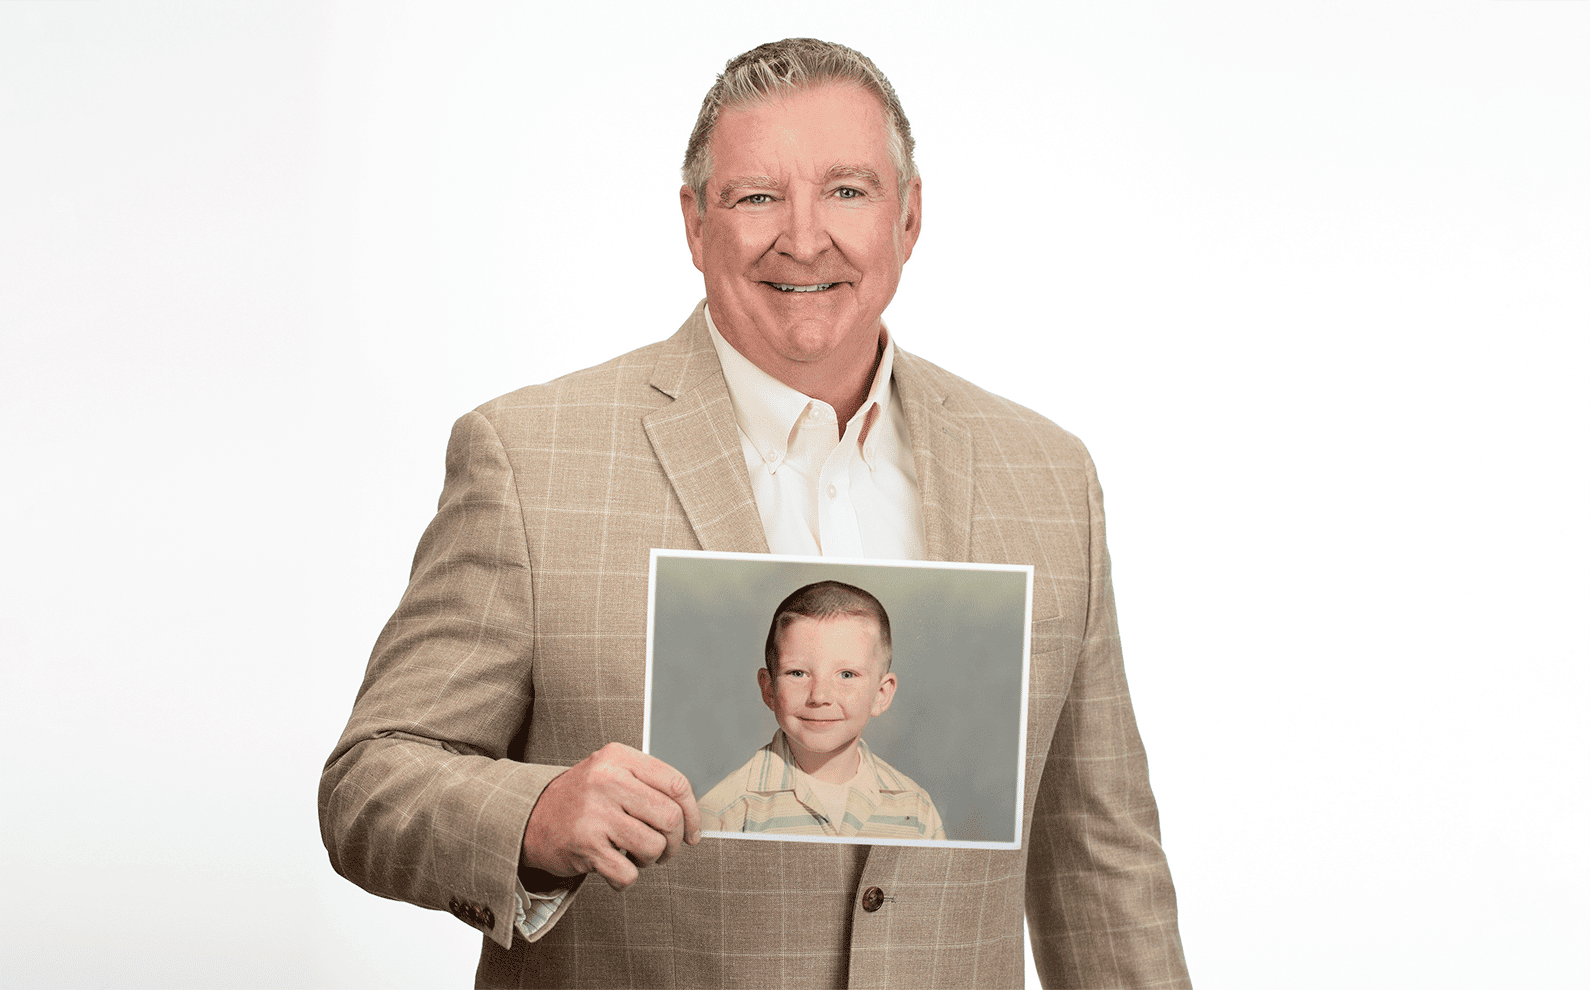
519,648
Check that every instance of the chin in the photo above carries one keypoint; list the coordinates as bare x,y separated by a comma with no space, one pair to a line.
813,341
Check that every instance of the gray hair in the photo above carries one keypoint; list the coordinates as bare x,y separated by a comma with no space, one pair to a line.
827,600
779,67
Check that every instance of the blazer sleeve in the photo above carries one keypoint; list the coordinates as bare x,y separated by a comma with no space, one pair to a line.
1100,905
421,800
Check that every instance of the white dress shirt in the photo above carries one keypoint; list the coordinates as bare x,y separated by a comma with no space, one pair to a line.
819,494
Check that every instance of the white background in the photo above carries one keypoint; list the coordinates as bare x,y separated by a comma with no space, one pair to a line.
1311,279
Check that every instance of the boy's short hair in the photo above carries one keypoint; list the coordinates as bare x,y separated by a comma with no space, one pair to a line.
825,600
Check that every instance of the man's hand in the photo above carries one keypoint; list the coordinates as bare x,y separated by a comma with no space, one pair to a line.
613,812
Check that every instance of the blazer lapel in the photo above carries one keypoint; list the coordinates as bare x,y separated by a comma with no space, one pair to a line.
697,443
942,448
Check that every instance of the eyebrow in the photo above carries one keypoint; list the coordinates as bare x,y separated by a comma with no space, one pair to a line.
866,175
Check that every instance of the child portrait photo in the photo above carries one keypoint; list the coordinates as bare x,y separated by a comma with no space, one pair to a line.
871,702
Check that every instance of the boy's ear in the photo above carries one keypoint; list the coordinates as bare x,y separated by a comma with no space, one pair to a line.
885,697
765,681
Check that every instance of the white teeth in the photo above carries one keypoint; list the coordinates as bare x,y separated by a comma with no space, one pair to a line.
782,287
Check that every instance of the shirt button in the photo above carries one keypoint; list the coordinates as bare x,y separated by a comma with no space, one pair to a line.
872,899
772,455
833,491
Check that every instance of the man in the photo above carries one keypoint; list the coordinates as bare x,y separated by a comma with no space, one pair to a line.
487,767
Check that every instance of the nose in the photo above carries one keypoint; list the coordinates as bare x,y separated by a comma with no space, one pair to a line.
818,695
805,234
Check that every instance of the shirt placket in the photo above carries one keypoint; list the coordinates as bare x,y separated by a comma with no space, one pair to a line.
836,513
838,528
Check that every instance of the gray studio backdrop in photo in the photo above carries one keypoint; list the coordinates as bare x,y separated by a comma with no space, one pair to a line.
959,653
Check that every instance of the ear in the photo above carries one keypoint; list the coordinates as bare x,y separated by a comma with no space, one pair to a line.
885,697
693,221
765,681
912,228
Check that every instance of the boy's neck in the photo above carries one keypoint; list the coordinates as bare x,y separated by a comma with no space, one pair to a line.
832,768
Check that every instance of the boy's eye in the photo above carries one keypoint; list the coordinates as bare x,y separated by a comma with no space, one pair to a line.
847,674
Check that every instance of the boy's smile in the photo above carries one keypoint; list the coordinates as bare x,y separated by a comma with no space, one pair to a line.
830,682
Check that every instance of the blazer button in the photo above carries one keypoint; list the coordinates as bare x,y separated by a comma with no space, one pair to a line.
475,914
871,899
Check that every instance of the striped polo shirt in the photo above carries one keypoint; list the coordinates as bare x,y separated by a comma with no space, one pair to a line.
770,794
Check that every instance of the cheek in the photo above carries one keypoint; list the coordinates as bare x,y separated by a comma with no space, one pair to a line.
714,251
729,250
878,243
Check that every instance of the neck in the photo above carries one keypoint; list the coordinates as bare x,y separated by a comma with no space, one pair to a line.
843,386
837,767
841,377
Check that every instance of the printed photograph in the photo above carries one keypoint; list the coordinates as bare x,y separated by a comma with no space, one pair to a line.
812,699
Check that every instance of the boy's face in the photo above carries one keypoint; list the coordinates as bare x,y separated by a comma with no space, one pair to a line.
830,682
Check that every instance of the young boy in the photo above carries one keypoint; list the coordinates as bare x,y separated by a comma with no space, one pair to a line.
827,672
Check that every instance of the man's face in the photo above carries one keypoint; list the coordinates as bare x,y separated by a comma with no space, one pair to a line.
803,238
830,682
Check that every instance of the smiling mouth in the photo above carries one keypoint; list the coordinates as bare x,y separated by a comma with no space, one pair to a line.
786,287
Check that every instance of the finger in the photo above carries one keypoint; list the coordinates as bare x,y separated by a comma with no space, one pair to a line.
675,786
692,817
657,812
643,845
659,821
615,868
656,809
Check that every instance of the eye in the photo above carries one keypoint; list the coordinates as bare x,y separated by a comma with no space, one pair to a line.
848,674
848,192
794,673
757,199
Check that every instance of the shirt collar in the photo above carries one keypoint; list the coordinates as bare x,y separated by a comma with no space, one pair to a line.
776,771
767,410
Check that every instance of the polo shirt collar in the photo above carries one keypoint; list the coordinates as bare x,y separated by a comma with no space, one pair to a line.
775,771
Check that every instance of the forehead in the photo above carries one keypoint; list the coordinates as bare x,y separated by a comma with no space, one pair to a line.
803,134
839,637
